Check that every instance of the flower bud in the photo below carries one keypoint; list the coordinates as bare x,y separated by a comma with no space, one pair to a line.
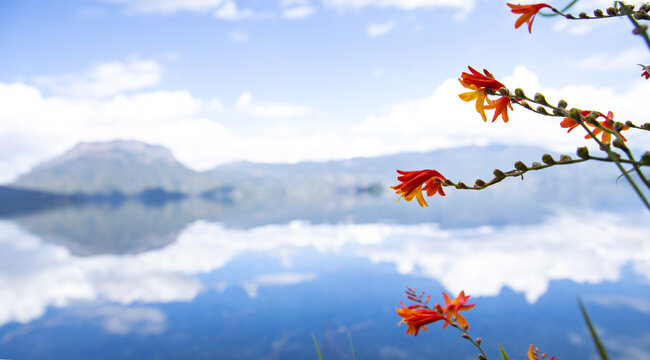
574,114
535,164
539,98
542,110
583,152
479,183
479,340
583,15
548,159
569,16
448,182
562,104
526,105
504,92
462,185
519,92
464,336
619,126
612,11
629,123
598,13
646,126
565,158
481,357
643,28
645,158
499,174
521,166
619,144
559,112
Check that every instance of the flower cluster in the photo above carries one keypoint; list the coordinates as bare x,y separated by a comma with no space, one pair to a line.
481,84
412,185
533,354
418,315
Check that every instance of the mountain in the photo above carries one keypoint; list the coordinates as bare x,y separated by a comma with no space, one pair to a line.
124,166
133,168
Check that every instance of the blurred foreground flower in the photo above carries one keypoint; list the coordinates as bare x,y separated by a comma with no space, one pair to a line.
646,72
412,181
420,314
528,13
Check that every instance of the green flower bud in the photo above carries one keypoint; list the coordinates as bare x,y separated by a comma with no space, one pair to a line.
539,98
619,126
583,152
562,104
612,11
565,158
521,166
641,29
542,110
548,159
519,92
574,114
479,341
462,185
499,174
504,92
535,164
629,123
559,112
646,126
598,13
479,183
569,16
619,144
583,15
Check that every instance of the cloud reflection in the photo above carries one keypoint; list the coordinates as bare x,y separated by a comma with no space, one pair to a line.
582,246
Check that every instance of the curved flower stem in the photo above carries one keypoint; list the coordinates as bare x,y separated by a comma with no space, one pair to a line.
466,335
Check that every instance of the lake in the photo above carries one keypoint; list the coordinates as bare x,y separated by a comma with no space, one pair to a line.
197,280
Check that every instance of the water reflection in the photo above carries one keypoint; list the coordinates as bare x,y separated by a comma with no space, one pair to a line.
35,275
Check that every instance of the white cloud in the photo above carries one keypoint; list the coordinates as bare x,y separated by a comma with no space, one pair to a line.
105,79
380,29
298,12
167,6
608,62
442,120
230,11
246,105
464,6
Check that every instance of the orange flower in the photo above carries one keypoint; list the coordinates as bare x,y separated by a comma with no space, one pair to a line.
533,354
479,83
417,316
500,107
412,181
479,80
609,124
453,307
527,12
572,124
479,95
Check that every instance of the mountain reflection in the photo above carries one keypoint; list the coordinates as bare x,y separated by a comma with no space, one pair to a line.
35,275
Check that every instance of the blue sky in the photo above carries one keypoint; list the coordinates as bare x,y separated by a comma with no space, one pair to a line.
291,80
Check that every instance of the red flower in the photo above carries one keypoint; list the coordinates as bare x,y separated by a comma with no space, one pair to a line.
479,80
500,107
412,181
527,12
646,72
417,316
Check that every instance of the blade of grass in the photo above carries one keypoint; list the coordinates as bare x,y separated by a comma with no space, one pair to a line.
503,353
351,347
320,357
592,330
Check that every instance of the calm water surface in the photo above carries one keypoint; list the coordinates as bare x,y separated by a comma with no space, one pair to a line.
198,281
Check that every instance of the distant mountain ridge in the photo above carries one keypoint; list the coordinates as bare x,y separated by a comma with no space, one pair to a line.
125,166
132,168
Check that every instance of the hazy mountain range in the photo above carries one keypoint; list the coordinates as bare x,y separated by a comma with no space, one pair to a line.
132,169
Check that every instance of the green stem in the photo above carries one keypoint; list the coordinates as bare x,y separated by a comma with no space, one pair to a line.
639,29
